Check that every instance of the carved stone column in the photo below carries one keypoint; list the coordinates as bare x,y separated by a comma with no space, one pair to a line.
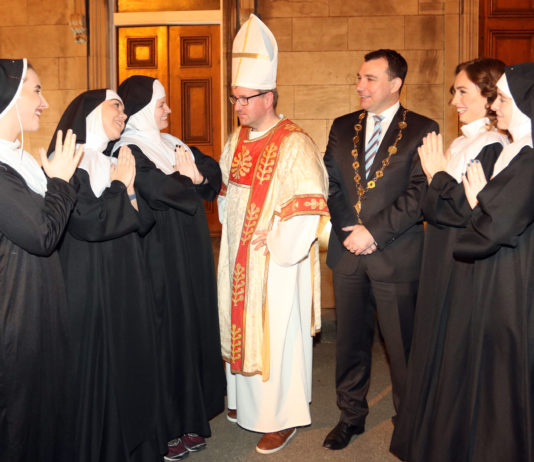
245,8
469,10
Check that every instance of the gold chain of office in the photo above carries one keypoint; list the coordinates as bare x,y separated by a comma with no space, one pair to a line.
392,150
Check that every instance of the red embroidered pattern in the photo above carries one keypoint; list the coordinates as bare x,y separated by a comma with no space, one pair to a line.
264,155
303,205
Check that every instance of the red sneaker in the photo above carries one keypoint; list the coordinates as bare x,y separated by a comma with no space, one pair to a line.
193,442
177,450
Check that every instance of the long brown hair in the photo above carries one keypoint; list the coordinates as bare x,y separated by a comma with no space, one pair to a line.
484,73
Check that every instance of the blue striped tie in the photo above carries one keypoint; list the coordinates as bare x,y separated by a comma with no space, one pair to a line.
372,145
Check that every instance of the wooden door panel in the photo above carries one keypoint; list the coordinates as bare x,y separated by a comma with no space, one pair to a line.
507,30
143,50
499,7
195,85
195,93
514,46
197,127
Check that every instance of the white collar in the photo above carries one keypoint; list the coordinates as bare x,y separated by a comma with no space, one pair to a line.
476,127
389,113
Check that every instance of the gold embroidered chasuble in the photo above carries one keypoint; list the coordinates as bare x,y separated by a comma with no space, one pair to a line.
265,180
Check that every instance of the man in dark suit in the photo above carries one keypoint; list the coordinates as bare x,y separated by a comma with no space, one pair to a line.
376,184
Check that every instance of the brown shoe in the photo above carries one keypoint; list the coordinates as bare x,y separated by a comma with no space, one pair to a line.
272,442
232,415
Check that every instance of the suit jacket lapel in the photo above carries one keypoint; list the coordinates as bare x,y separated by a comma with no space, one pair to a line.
387,141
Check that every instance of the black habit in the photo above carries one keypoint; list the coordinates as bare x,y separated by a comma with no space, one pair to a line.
180,258
111,316
178,252
33,341
34,392
480,405
437,355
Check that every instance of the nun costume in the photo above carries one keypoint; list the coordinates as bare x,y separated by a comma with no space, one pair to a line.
442,312
34,210
111,314
489,414
179,254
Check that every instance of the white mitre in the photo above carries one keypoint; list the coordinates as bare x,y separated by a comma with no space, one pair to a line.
254,56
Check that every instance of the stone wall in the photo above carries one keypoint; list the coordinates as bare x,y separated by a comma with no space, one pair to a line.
322,44
39,30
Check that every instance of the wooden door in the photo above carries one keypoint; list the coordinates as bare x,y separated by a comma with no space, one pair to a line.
186,59
507,30
143,50
195,86
195,89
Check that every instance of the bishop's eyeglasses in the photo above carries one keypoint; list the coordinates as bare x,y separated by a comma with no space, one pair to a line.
243,100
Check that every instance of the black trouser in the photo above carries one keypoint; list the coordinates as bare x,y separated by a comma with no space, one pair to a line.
357,299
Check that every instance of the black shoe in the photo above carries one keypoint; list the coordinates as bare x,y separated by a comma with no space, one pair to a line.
340,435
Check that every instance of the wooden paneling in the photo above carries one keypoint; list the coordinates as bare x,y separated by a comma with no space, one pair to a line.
197,122
510,7
166,5
195,51
195,85
516,46
507,30
141,53
143,50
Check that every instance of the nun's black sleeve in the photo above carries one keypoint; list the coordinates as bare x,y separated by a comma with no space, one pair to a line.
32,222
211,172
103,218
504,211
445,202
162,191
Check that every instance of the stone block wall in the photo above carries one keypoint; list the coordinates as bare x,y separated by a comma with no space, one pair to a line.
322,44
39,30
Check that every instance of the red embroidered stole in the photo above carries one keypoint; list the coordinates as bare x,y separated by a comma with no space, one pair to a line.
253,164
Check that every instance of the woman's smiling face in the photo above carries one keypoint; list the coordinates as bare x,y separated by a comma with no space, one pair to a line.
31,102
113,118
161,113
469,102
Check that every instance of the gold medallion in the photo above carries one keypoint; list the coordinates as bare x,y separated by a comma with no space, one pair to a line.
392,150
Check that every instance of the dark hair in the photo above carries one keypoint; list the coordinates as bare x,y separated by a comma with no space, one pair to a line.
397,65
274,91
484,73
